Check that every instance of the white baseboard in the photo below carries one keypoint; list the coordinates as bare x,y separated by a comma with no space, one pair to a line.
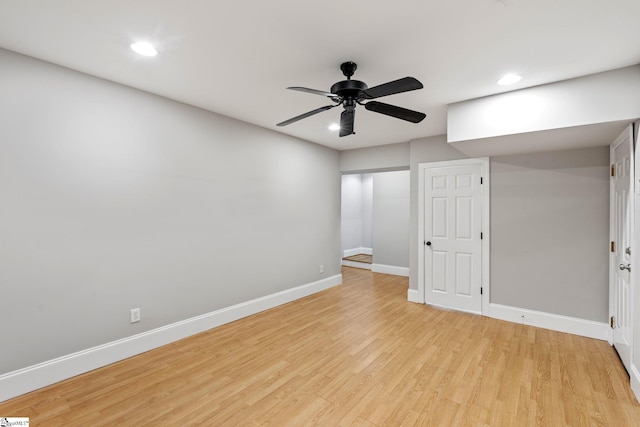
355,264
414,296
554,322
25,380
357,251
540,319
390,269
635,381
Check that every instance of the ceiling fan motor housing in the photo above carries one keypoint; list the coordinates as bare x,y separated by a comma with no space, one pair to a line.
349,88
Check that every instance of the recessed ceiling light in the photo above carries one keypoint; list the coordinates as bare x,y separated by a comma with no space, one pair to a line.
334,126
509,79
144,49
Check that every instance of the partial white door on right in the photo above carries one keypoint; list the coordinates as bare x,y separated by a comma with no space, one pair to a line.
621,156
452,237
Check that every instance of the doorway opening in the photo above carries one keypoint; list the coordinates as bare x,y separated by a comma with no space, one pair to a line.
375,221
357,220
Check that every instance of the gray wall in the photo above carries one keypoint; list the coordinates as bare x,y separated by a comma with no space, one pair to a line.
356,224
559,200
550,232
351,212
391,218
113,199
375,159
367,210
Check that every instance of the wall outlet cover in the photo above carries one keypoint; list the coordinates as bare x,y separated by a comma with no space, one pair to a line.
135,315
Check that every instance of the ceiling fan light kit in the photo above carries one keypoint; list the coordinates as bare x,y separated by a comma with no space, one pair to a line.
350,93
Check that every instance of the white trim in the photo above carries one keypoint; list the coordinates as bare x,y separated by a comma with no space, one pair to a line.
25,380
355,264
635,282
421,237
390,269
486,228
540,319
357,251
413,295
485,170
554,322
635,381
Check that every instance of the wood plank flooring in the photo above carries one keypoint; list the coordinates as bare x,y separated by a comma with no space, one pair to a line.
367,259
355,355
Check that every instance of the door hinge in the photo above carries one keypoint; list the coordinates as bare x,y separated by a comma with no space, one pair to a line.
612,322
613,170
613,246
481,235
480,290
480,180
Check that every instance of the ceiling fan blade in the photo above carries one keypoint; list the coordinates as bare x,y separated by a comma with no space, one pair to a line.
397,112
346,122
305,115
314,91
397,86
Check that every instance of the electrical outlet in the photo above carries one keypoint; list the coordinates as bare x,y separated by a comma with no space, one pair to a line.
135,315
321,268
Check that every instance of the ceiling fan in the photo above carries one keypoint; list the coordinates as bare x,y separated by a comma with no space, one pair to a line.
349,92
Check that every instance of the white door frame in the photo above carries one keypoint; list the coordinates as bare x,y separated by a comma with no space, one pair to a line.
485,245
634,372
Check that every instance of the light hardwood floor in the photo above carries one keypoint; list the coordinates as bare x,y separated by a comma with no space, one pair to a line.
358,354
367,259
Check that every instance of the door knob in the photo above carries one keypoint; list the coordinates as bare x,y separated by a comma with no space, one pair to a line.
427,243
625,267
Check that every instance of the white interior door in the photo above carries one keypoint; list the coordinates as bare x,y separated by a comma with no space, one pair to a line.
452,237
621,244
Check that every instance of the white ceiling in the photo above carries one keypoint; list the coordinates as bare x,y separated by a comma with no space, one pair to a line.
236,58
